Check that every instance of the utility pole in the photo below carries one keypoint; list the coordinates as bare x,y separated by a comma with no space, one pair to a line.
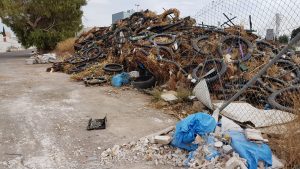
277,24
3,34
137,7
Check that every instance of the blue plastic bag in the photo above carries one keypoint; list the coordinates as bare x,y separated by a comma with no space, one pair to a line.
120,79
189,127
250,151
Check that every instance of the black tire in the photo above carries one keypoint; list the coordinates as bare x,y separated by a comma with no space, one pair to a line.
215,77
78,68
272,99
255,95
138,15
144,82
113,67
93,53
94,80
268,87
168,12
261,44
238,38
77,59
165,52
172,37
197,47
291,66
189,68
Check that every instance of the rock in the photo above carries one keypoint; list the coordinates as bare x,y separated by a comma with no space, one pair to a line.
192,97
227,58
104,154
218,144
276,163
156,162
134,74
227,149
235,162
254,135
115,150
30,61
169,96
162,140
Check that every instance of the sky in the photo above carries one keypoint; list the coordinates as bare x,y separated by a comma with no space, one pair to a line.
99,12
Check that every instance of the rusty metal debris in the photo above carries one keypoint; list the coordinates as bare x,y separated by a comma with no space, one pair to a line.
175,52
97,124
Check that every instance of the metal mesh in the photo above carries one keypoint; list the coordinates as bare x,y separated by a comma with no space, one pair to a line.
282,16
273,99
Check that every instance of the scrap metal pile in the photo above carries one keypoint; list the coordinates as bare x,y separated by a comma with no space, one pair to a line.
172,52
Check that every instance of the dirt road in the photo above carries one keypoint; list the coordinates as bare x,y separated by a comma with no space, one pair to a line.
43,118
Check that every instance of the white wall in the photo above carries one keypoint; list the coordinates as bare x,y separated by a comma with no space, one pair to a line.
9,42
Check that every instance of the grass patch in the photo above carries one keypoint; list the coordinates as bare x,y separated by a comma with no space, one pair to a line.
183,94
156,95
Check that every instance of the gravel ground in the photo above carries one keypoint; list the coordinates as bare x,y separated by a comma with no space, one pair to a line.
43,118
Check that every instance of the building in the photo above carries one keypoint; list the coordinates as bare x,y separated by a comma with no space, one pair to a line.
121,15
270,34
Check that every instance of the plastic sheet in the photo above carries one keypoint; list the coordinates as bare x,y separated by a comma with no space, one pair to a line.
189,127
120,79
250,151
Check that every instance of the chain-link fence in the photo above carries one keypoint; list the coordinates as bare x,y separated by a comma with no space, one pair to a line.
258,79
281,16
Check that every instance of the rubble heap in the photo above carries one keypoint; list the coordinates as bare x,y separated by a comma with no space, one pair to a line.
160,154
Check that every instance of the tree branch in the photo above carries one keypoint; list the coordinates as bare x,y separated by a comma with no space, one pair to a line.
33,25
50,27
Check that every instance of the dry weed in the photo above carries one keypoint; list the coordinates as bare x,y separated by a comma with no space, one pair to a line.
183,94
156,95
273,71
95,70
287,145
66,46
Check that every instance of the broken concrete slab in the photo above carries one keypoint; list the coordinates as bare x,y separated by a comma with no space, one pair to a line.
254,135
242,112
235,162
163,139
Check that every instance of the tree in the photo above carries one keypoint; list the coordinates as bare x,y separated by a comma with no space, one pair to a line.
295,32
42,23
283,39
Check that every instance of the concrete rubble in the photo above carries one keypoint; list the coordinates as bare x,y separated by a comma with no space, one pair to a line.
41,59
157,153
